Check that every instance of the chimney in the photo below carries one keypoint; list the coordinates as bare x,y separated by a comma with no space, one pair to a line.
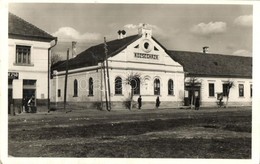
205,49
123,33
145,31
119,34
74,49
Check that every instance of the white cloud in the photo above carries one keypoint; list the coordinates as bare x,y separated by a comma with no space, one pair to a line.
132,29
131,26
244,20
70,34
242,52
210,28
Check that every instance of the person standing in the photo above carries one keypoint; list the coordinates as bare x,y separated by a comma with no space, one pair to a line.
197,103
24,104
157,102
30,104
139,100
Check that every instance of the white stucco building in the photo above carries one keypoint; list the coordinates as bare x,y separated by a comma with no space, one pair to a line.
160,72
29,49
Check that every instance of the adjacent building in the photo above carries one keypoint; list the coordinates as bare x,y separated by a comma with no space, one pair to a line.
29,51
153,71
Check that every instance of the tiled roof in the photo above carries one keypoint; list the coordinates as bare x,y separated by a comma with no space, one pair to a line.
95,54
21,29
205,65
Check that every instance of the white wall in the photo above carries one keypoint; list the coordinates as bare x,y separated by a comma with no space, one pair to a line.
234,92
38,70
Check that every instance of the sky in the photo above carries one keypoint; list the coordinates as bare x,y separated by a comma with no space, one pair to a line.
225,29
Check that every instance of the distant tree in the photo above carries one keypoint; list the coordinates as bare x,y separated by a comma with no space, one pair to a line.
133,79
55,58
230,84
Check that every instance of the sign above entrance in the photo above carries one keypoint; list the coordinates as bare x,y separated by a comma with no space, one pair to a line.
146,56
13,75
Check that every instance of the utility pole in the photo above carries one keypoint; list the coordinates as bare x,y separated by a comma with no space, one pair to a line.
103,65
101,86
66,78
108,81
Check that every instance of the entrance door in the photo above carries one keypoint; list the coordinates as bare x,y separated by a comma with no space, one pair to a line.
29,90
196,94
188,100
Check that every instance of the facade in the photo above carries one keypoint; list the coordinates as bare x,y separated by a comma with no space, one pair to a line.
29,49
212,72
154,71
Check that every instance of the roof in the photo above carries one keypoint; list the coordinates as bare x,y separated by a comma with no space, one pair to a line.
95,54
21,29
194,63
206,64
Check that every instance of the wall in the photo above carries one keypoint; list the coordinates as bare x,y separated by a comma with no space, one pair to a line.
234,99
37,70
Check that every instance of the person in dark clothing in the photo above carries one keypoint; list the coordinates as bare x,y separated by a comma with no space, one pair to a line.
139,100
157,102
24,103
197,103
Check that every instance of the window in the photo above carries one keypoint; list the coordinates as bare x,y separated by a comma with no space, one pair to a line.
225,89
90,86
59,92
23,54
75,88
241,90
211,90
135,84
156,87
251,90
118,86
170,87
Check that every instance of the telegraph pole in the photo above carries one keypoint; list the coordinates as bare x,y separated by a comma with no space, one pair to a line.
103,65
108,81
66,78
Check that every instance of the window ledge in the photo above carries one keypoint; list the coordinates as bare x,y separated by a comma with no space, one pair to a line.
171,95
118,95
90,95
23,64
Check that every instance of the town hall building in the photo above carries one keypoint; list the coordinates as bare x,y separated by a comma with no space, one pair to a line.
155,72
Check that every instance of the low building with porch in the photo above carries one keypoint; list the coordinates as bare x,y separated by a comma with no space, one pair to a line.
207,76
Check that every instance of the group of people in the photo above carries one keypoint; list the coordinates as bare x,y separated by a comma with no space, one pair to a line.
27,104
157,102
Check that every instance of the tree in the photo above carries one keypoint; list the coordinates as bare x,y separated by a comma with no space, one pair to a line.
55,58
133,79
193,83
230,84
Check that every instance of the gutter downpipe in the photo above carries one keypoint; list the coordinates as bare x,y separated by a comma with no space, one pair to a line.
49,50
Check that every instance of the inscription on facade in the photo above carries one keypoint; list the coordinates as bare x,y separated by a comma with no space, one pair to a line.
146,56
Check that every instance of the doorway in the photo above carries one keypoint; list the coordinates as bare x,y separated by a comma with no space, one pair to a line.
29,90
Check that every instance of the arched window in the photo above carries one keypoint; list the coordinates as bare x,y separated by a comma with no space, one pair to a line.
156,87
135,84
118,86
170,87
90,86
75,88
